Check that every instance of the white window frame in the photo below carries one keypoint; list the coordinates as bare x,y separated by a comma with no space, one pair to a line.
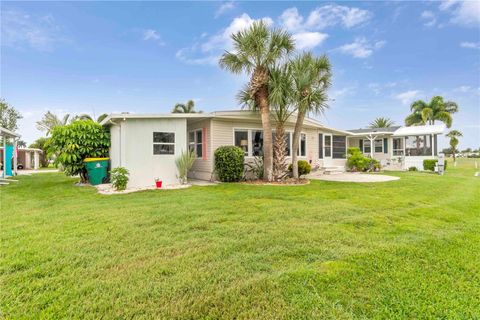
195,143
300,145
402,139
363,148
250,146
164,143
331,146
374,147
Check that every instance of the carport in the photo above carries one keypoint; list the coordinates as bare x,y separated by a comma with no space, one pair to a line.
6,135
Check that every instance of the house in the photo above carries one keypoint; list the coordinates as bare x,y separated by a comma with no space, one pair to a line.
27,158
398,148
148,144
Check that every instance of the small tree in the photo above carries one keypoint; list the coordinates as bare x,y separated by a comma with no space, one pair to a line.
454,135
74,142
8,116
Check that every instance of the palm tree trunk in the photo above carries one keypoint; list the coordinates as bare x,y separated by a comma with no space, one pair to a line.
279,148
262,101
296,138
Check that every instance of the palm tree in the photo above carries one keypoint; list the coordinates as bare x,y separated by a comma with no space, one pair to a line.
280,98
85,116
454,135
428,113
189,107
381,122
311,79
256,50
50,121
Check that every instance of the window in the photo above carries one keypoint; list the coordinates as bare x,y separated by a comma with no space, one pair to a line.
303,145
241,140
163,143
367,146
327,148
398,147
379,146
195,142
257,143
339,147
418,145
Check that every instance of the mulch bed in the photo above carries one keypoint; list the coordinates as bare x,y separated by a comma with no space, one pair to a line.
286,182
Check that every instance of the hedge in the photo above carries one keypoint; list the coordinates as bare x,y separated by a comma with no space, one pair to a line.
429,164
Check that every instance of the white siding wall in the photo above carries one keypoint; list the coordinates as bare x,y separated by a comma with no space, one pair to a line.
114,153
137,150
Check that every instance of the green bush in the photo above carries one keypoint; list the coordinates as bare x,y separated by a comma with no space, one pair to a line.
119,178
356,161
429,164
303,167
72,143
229,163
412,169
254,169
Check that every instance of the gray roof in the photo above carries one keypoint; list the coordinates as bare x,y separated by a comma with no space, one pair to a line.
373,130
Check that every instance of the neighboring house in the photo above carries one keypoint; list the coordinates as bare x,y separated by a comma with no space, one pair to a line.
398,148
148,144
27,158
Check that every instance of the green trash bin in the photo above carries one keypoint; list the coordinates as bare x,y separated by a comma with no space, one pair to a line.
96,170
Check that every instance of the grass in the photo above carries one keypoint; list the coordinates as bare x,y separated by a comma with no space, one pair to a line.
396,250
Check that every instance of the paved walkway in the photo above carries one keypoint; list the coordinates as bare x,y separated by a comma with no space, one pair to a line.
29,172
352,177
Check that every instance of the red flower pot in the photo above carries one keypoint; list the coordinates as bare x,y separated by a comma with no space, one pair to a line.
158,183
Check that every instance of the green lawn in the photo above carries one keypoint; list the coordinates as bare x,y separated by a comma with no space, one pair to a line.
403,249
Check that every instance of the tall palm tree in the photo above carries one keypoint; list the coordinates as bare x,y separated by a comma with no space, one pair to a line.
256,51
454,135
189,107
428,113
50,121
281,102
381,122
311,79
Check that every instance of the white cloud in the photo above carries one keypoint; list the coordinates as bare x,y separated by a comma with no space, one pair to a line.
291,20
429,18
407,96
332,14
308,40
463,89
470,45
209,51
464,13
152,35
21,30
224,7
361,47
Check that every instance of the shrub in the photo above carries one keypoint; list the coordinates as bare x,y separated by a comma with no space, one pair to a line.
72,143
229,163
412,169
119,178
356,161
184,163
429,164
303,167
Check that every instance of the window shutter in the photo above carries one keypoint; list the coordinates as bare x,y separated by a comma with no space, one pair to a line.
320,146
385,145
361,145
204,143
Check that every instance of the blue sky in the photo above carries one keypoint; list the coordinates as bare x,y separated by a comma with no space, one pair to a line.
96,57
